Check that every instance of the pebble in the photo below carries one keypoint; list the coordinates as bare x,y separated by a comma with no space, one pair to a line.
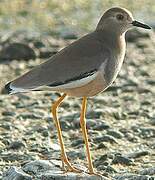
76,154
6,126
115,134
133,177
101,146
100,125
144,132
105,138
119,159
77,142
18,51
148,171
138,154
94,114
65,125
45,133
16,145
29,116
41,169
8,113
15,173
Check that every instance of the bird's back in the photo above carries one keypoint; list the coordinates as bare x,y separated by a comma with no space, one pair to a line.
75,65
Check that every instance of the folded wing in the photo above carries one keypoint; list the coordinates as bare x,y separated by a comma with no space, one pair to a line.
74,66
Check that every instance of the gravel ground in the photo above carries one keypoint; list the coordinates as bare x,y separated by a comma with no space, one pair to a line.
120,121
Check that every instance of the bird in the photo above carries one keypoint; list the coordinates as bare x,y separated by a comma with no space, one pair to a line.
83,69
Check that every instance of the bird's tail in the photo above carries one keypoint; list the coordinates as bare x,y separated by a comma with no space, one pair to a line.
10,89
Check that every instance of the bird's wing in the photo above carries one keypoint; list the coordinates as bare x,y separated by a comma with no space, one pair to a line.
79,62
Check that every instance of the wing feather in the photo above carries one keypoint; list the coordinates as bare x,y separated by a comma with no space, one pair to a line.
70,64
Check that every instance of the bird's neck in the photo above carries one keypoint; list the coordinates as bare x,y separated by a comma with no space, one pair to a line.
112,39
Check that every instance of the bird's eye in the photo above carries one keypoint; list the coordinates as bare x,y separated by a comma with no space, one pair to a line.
120,17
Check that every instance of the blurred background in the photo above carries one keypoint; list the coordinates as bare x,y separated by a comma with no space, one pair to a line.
120,121
59,16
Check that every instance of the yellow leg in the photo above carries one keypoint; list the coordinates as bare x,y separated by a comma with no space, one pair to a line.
85,136
64,158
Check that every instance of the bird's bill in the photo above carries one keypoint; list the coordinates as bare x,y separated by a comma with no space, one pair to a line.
139,24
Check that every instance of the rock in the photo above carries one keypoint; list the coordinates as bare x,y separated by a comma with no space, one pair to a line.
65,125
137,154
101,146
152,121
105,138
94,114
148,171
45,133
133,177
76,155
16,145
8,113
18,51
6,126
42,169
144,132
115,134
119,159
106,168
29,116
77,142
101,160
100,125
15,173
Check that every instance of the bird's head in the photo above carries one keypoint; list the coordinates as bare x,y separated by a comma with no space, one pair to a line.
119,20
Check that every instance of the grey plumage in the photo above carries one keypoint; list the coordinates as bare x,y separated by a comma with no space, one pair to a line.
96,56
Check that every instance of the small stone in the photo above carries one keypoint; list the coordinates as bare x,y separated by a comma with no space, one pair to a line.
133,177
115,134
15,173
6,126
100,125
8,113
119,159
29,116
101,146
108,169
77,142
103,158
138,154
65,125
105,138
151,82
18,51
38,44
76,154
16,145
152,120
45,133
145,132
42,169
148,171
94,114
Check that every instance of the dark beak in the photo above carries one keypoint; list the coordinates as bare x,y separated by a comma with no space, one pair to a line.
139,24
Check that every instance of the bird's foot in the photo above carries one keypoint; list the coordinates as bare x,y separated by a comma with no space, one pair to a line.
92,172
66,165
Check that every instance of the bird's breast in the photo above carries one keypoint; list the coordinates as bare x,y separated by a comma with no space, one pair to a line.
113,66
